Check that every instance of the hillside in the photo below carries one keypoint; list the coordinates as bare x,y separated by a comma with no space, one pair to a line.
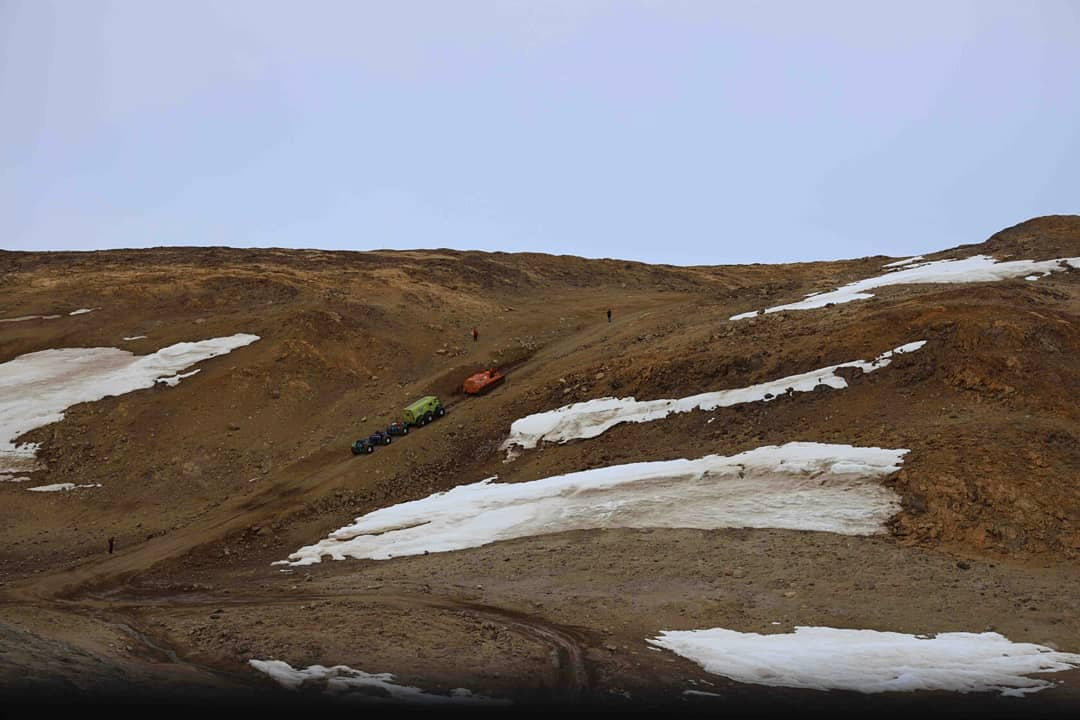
207,481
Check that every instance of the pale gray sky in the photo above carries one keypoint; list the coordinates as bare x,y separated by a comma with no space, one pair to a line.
666,131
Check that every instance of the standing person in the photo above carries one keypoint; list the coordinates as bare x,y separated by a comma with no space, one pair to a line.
111,541
475,334
609,314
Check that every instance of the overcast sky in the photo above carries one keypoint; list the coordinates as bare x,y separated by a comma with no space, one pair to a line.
665,131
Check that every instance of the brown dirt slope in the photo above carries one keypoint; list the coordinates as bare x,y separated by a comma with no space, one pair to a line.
206,483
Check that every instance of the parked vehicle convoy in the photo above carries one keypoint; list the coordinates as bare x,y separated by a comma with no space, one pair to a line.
481,382
418,414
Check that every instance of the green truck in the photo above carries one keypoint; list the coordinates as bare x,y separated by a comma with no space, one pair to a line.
423,411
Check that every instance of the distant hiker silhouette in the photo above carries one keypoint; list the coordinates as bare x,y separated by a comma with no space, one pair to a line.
475,334
609,315
111,541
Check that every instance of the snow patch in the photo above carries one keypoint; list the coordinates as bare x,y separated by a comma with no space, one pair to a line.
978,268
899,263
135,337
591,418
342,680
797,486
4,477
699,693
36,388
870,661
175,379
29,317
82,311
60,487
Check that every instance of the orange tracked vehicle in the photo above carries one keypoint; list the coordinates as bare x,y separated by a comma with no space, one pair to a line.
481,382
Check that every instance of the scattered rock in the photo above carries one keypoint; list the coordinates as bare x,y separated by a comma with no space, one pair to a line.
963,565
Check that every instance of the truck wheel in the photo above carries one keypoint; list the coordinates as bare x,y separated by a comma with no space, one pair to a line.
427,417
439,411
386,440
405,430
355,451
369,449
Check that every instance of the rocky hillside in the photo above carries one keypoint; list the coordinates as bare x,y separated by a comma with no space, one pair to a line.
203,484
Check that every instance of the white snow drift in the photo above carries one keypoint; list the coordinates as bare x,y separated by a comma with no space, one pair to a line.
342,679
591,418
900,263
36,388
979,268
175,379
24,318
798,486
60,487
870,661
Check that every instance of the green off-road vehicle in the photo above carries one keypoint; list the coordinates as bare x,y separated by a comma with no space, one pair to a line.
423,411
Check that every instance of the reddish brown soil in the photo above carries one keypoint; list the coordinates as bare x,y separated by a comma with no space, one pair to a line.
207,483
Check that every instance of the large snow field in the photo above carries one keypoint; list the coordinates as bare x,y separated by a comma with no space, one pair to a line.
978,268
591,418
870,661
36,388
341,680
797,486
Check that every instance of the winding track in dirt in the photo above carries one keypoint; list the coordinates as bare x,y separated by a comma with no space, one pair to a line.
568,643
99,589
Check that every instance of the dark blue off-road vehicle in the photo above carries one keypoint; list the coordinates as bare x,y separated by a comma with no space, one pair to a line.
367,445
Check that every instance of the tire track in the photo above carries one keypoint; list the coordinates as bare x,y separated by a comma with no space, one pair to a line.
568,644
